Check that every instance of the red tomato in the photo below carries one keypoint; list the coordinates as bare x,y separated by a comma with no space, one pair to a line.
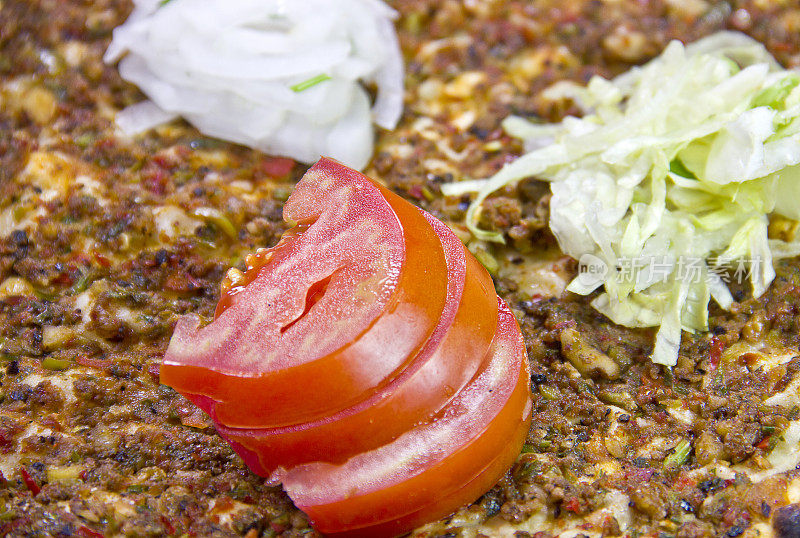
382,276
365,361
432,469
447,362
445,505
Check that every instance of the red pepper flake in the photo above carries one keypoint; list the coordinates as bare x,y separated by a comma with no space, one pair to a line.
572,505
164,161
764,443
50,421
99,364
685,481
715,351
182,151
101,260
156,182
64,279
29,481
6,440
168,527
277,167
415,191
86,532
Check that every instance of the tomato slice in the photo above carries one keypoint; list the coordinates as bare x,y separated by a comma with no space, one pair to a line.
443,367
429,463
373,269
448,503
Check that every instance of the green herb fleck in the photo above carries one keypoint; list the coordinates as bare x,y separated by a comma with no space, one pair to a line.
677,458
218,219
51,363
306,84
549,393
82,283
488,261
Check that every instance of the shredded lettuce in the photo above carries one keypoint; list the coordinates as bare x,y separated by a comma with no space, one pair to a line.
668,180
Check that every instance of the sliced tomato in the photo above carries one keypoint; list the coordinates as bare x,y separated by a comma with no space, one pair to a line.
441,460
442,368
348,302
448,503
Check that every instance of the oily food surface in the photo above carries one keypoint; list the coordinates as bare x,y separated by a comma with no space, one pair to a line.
104,242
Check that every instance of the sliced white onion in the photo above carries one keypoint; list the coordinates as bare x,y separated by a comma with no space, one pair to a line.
141,117
236,70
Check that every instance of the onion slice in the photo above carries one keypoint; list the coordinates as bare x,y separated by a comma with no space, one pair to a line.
282,77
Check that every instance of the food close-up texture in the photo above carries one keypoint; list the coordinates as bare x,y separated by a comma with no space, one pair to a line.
110,239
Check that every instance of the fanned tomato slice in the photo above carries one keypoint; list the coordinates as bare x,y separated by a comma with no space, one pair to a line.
442,368
439,460
373,271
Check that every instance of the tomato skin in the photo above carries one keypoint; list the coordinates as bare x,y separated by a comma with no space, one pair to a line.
443,506
391,493
450,359
341,380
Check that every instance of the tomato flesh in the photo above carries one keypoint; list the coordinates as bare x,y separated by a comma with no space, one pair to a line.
446,504
431,462
443,367
386,285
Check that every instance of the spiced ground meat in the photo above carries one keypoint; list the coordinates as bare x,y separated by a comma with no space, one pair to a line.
105,241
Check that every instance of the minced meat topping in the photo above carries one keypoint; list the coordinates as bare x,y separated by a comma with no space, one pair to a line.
105,241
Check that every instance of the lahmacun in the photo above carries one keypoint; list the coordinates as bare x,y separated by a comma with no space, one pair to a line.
107,239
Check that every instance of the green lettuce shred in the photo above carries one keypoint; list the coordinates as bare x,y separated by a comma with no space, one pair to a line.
667,181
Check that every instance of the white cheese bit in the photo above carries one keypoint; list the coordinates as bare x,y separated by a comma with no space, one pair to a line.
226,513
83,302
793,491
50,174
15,285
9,464
789,397
615,505
682,415
173,222
538,275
